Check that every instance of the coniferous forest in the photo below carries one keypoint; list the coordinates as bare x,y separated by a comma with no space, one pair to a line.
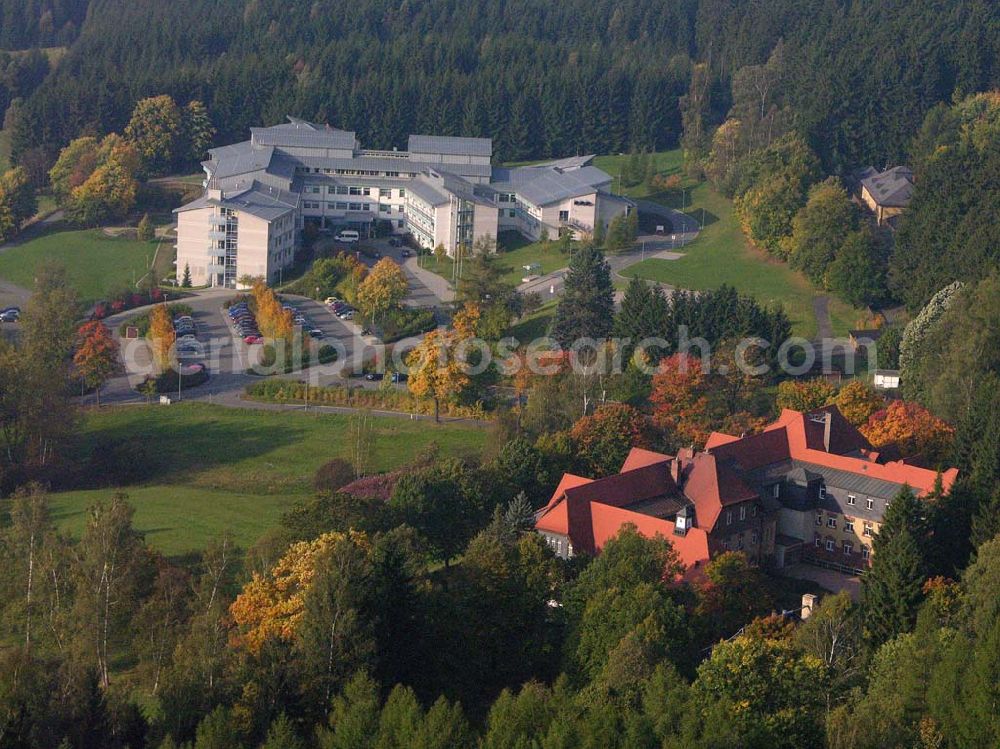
540,78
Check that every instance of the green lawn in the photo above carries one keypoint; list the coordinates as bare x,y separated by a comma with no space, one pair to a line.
721,253
95,263
534,325
213,468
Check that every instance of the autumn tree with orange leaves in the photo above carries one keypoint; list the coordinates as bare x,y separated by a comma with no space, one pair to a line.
96,356
912,429
680,400
161,336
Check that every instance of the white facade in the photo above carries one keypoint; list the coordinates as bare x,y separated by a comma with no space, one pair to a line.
442,191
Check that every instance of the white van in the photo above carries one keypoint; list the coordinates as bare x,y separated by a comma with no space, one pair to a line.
348,236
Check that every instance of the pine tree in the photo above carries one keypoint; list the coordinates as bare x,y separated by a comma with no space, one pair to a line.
144,231
186,278
892,590
586,309
986,522
282,735
400,719
644,314
354,716
519,515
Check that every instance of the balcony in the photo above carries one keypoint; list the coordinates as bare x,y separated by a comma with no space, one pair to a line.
217,234
216,268
217,220
216,251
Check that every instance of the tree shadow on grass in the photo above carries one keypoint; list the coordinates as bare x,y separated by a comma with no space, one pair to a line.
145,452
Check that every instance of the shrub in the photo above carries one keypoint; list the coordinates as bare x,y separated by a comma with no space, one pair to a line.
166,383
332,475
285,391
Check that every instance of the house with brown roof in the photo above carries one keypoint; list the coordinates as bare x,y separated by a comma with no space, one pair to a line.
809,487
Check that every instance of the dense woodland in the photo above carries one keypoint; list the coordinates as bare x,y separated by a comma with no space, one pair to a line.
418,608
542,79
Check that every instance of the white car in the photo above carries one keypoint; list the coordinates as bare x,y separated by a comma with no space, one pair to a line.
348,236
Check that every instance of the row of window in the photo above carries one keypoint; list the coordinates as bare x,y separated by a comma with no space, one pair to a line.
847,546
831,522
738,545
352,172
743,513
382,192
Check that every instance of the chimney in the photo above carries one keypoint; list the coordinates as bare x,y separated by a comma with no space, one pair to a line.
808,604
827,429
675,470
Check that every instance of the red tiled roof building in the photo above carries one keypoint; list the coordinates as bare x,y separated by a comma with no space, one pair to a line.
809,487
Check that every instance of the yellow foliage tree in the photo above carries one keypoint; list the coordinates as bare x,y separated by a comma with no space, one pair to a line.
436,368
161,336
272,606
275,322
382,289
857,402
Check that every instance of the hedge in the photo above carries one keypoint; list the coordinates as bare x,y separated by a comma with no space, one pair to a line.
286,391
142,321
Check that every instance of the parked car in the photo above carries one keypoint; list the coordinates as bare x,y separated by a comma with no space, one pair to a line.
399,377
348,236
316,333
252,339
10,316
330,300
349,315
10,309
406,253
374,377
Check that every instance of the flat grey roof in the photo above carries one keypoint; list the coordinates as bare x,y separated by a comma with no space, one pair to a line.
450,145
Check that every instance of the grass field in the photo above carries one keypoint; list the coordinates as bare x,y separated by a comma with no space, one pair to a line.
721,253
534,325
546,254
213,468
95,263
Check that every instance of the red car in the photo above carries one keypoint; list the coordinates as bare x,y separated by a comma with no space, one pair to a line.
253,339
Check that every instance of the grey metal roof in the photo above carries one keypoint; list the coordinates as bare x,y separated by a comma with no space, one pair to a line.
259,200
570,162
301,134
854,482
387,164
544,185
450,145
893,187
239,158
428,192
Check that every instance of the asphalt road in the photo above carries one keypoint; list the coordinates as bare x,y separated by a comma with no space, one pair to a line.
662,246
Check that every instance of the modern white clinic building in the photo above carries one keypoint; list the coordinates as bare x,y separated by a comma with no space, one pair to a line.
261,193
